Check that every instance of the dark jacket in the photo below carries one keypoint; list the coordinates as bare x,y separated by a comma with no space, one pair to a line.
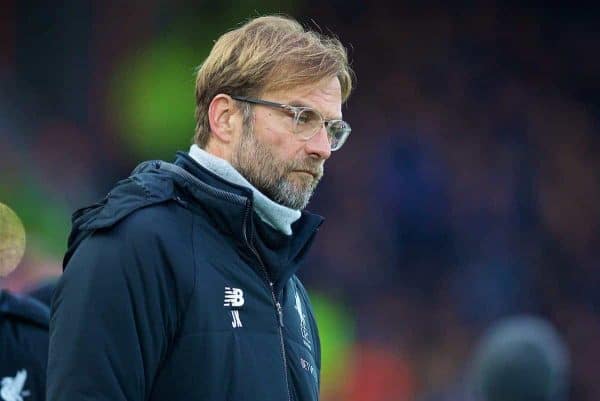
23,347
174,289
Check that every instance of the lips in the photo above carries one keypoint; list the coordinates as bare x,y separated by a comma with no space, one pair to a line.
307,172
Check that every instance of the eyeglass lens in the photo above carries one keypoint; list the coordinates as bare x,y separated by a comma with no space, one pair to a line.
308,122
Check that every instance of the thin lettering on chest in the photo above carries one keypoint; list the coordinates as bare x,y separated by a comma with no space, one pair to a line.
303,323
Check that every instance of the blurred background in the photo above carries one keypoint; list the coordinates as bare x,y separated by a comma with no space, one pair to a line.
468,191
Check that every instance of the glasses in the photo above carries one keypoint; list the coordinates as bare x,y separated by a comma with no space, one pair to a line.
307,122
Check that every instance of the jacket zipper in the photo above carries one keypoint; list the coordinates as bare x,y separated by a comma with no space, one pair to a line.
276,303
248,204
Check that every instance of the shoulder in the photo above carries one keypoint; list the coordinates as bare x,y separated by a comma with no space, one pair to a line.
25,310
153,242
136,238
165,223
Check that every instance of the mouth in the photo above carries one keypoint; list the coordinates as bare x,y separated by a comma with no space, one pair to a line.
312,174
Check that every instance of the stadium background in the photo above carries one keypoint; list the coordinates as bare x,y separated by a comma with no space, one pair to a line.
469,189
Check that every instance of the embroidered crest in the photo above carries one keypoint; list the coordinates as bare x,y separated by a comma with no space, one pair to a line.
12,387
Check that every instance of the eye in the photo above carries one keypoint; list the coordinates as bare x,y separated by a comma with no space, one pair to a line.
308,117
303,118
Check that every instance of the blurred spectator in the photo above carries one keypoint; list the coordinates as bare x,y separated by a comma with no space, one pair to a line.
23,348
521,359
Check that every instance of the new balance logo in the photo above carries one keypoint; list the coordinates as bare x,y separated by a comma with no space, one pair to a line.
235,319
234,297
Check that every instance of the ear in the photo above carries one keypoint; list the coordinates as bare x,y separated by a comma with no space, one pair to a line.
224,118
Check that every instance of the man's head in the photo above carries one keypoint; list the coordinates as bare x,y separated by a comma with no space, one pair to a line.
521,358
273,59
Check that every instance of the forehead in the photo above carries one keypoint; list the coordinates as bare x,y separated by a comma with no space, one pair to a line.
324,96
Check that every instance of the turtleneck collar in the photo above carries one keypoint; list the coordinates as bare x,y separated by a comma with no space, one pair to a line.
277,216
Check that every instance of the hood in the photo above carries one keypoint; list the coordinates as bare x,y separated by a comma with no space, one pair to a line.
146,186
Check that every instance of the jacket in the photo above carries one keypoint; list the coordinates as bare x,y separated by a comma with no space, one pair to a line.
23,347
173,289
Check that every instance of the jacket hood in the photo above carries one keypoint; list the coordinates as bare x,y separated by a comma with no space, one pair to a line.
228,205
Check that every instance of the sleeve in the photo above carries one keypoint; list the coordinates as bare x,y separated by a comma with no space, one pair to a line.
114,314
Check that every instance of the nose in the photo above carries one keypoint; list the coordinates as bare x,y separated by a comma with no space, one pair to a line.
318,146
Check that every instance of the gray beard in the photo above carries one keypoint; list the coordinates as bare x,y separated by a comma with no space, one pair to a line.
269,175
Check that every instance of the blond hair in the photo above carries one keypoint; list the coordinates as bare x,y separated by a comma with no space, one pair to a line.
267,53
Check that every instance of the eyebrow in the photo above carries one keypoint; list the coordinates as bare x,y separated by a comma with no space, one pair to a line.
300,103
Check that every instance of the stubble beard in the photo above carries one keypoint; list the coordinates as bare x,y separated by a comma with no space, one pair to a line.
272,176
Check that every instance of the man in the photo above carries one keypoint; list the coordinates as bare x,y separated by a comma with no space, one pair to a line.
180,284
521,358
23,323
23,348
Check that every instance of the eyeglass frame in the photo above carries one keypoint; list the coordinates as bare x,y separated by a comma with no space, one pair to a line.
296,110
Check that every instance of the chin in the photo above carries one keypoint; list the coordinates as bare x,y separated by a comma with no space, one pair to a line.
304,180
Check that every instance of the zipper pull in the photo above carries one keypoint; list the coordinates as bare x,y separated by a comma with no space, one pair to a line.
280,313
180,201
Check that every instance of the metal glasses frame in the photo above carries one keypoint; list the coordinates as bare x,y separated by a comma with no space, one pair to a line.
296,110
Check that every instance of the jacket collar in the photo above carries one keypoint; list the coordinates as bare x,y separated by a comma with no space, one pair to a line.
230,206
277,216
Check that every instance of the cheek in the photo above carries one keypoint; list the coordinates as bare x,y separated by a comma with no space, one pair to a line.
281,149
280,143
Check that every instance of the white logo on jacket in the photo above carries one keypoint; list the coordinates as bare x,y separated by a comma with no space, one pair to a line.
235,319
303,326
12,387
234,297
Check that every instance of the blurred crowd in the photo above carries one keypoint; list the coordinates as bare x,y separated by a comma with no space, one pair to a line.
468,191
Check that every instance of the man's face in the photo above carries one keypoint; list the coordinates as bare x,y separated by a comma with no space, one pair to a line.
282,166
